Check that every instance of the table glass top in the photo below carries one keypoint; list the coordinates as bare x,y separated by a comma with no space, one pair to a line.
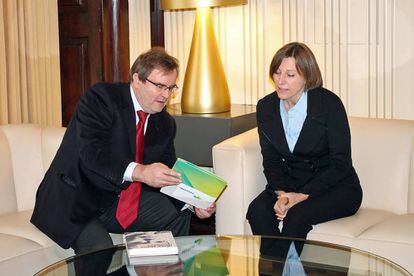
234,255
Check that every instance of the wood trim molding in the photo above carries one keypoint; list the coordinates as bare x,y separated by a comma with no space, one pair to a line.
115,40
157,24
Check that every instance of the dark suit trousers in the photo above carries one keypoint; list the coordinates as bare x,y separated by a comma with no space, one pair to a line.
337,203
156,212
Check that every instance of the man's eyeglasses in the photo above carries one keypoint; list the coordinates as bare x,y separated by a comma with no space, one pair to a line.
171,89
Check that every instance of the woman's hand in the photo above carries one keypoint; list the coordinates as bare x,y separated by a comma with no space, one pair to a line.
286,201
294,198
281,207
205,213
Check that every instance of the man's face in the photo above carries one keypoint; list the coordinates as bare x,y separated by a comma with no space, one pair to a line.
149,93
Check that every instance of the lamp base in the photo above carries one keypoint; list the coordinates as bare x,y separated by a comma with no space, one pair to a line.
205,87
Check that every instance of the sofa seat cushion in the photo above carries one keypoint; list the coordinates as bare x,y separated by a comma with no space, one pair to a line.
31,262
398,229
352,226
13,246
18,225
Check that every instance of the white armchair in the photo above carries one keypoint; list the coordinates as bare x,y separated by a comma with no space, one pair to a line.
383,156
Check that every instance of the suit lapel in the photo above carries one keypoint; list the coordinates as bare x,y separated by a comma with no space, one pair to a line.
128,113
156,136
273,128
152,129
313,127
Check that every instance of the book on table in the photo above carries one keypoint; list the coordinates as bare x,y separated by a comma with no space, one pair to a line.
199,187
151,247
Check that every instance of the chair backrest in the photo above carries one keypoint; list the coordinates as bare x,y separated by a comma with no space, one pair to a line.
26,151
383,155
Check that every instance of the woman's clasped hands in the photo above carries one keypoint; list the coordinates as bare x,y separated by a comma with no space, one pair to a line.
285,201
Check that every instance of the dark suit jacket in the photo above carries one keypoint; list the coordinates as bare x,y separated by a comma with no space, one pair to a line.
321,158
86,175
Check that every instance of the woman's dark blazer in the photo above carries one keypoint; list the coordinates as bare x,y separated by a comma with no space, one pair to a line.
321,158
86,175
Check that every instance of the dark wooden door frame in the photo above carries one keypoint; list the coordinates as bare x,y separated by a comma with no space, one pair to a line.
115,40
157,24
94,47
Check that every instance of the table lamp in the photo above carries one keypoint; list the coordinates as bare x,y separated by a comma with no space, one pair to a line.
205,87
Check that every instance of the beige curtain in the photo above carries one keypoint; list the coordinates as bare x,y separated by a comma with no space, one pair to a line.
29,62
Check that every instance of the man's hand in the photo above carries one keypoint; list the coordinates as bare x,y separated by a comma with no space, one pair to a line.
156,175
205,213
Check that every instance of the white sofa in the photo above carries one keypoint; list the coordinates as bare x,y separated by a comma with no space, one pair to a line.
383,156
26,151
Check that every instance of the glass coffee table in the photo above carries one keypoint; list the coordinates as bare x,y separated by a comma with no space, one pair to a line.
235,255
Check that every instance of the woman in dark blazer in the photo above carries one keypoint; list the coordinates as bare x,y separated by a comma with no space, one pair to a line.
306,146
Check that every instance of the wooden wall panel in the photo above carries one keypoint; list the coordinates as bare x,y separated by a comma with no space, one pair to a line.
75,72
97,31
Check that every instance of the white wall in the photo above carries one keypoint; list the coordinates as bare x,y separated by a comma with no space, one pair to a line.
365,48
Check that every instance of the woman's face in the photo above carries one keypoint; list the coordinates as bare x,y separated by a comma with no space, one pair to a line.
289,84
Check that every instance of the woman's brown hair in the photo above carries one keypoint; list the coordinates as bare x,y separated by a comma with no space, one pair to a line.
306,63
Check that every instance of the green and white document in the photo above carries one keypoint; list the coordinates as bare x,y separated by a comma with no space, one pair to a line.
199,188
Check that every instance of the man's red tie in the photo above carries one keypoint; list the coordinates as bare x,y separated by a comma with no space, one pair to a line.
127,210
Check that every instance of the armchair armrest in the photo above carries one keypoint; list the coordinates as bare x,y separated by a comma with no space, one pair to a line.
238,161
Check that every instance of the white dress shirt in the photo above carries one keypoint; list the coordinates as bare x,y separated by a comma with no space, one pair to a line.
293,119
137,107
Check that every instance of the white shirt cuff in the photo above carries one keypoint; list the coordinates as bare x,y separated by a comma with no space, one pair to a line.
129,170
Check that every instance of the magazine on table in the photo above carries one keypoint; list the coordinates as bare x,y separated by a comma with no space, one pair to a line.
199,187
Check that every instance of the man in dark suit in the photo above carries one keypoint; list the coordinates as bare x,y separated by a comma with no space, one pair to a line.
116,153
